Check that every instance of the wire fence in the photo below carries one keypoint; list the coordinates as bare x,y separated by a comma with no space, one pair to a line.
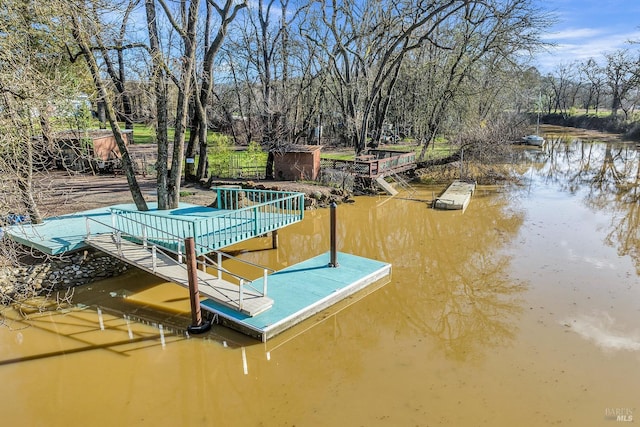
239,166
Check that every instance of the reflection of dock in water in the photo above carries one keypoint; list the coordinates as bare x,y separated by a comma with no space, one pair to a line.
456,197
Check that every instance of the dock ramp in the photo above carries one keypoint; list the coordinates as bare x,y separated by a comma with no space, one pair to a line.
159,263
388,188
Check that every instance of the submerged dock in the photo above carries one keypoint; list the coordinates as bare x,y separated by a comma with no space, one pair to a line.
456,197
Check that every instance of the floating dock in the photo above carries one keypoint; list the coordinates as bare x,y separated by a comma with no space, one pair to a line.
302,290
153,241
456,197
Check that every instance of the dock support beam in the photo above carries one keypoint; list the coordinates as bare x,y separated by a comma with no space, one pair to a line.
274,239
197,325
334,253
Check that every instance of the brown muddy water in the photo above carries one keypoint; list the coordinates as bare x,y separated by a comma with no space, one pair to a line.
521,311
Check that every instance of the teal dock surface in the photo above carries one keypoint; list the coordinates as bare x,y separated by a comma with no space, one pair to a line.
65,233
302,290
212,228
297,292
60,234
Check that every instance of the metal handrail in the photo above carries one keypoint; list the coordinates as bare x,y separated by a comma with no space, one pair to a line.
220,269
242,280
274,210
179,238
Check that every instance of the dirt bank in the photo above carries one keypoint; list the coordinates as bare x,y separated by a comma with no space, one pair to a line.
65,193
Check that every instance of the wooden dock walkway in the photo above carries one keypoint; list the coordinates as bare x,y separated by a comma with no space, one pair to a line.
167,268
457,196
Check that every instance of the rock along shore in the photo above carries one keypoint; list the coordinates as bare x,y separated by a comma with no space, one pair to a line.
61,272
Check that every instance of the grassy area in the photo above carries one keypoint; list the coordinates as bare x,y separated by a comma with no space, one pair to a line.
440,148
225,159
338,155
143,134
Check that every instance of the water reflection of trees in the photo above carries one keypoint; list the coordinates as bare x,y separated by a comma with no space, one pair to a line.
608,174
463,295
450,277
472,308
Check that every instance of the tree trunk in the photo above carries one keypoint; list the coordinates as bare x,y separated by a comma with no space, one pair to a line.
268,173
159,84
102,116
127,164
190,151
203,161
184,91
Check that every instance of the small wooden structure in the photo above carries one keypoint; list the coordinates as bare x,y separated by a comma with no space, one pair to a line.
456,197
385,162
298,162
80,150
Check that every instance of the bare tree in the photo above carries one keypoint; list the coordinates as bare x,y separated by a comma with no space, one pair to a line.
368,43
85,31
34,78
116,69
623,74
183,22
595,78
203,86
274,73
464,55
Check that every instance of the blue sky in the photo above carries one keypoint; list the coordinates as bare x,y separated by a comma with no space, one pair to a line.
588,28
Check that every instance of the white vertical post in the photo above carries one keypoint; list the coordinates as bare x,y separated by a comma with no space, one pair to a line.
88,227
119,242
162,341
219,265
241,294
264,282
153,258
144,236
126,318
100,320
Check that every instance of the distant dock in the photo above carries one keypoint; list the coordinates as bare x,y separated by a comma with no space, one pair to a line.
456,197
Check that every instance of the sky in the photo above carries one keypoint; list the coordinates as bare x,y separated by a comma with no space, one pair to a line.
587,29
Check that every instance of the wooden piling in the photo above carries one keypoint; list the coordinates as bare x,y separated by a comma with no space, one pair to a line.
197,325
334,252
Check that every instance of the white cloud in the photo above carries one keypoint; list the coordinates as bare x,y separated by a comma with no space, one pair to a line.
572,33
580,45
601,329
